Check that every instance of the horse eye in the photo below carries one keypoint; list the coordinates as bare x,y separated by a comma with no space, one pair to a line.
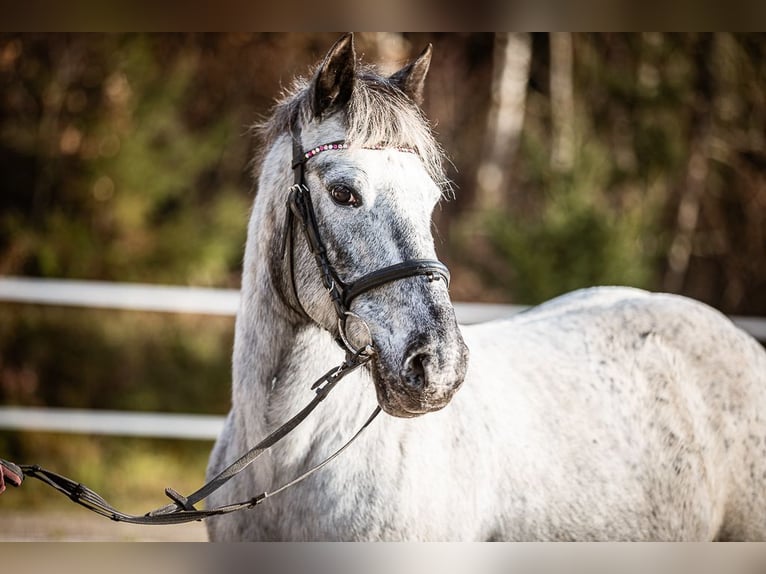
342,195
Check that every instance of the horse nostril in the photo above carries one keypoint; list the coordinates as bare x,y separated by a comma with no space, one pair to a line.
414,372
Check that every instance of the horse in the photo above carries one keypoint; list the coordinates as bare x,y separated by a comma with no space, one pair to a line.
608,413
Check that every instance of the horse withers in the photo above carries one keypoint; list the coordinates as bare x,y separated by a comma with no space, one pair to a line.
605,414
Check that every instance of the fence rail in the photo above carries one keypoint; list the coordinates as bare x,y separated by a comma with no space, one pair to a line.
130,296
123,423
172,299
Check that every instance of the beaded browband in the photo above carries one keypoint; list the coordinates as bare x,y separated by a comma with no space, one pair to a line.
341,144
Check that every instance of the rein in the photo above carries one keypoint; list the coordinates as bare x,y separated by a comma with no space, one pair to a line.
299,207
182,508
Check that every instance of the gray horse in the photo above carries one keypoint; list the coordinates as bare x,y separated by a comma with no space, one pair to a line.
605,414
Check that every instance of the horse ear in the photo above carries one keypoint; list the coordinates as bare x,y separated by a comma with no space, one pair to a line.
334,80
411,78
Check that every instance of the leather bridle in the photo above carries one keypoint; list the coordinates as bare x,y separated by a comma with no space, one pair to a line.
300,208
342,294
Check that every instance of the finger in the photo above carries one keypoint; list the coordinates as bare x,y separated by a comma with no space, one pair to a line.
11,473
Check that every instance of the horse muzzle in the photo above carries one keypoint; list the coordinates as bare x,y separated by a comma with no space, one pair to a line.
424,377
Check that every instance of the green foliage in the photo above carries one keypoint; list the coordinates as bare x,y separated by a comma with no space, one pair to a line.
105,359
555,254
126,158
131,189
125,361
579,236
165,227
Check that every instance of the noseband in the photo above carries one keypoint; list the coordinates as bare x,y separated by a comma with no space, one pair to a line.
342,294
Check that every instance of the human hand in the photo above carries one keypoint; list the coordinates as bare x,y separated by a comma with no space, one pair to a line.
11,473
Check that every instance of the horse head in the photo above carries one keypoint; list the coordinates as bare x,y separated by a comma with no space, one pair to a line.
366,162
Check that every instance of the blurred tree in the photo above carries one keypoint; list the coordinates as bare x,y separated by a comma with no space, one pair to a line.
562,102
118,184
123,157
577,159
505,120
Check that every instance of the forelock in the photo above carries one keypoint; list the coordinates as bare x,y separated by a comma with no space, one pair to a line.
378,113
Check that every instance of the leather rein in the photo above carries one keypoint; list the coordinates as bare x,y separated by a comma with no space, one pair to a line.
299,208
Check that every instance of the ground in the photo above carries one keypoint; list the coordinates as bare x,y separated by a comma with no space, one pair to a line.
81,525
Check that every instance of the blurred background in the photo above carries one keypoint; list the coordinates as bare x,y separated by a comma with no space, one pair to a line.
577,159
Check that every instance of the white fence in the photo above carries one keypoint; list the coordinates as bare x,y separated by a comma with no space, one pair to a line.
143,424
163,298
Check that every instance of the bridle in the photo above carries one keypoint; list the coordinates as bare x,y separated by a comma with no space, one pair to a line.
342,294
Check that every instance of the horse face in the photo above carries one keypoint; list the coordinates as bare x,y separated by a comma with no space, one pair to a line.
373,204
373,208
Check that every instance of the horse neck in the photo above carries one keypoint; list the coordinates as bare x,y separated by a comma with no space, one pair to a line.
275,363
276,357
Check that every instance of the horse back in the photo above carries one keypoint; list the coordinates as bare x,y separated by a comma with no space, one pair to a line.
654,397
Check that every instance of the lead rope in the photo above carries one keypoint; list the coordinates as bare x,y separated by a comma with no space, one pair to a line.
182,508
